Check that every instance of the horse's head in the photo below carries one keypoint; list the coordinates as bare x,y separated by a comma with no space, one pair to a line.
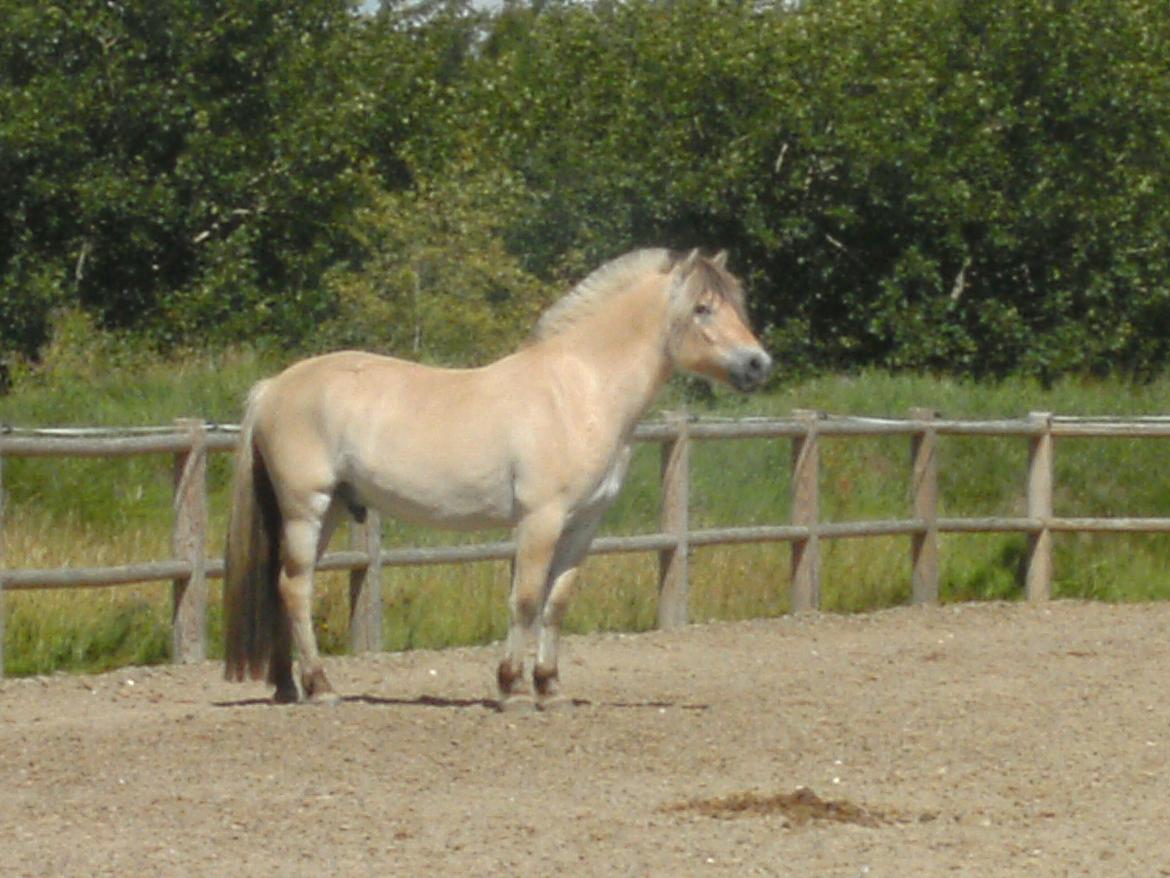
709,332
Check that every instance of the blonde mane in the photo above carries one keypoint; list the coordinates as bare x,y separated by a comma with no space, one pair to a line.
588,295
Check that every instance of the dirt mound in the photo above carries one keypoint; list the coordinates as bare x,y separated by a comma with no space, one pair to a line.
797,808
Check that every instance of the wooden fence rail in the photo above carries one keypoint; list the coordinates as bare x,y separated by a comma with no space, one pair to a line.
190,568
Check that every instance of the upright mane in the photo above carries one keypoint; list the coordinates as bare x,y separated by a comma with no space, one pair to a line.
594,290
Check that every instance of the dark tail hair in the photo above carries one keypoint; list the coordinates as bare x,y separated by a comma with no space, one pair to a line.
256,631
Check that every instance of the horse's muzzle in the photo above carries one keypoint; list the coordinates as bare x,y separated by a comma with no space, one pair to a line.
751,369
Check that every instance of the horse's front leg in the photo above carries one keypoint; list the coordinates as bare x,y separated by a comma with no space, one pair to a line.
536,543
571,552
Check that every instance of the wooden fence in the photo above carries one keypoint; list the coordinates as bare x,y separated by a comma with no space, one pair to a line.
189,568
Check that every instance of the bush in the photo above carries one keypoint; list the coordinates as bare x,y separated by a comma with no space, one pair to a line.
433,280
911,184
173,166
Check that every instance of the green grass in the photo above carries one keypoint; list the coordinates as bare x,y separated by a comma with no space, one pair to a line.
89,512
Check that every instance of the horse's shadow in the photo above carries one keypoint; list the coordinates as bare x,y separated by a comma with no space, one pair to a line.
378,701
421,701
436,701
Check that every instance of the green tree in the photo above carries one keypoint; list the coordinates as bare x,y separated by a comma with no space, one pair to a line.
970,187
977,188
173,165
434,281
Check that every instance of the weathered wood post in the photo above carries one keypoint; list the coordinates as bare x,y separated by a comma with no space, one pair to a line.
806,512
189,543
673,563
1,564
365,587
924,500
1038,579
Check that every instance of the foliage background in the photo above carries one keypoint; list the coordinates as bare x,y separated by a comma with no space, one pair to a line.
971,188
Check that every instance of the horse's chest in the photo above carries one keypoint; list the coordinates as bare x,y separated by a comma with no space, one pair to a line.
610,484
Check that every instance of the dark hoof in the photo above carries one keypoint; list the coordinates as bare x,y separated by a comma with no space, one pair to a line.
317,688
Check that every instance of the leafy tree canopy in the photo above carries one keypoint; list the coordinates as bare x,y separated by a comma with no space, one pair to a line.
974,188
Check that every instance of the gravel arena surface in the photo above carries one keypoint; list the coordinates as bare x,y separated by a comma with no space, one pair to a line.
981,740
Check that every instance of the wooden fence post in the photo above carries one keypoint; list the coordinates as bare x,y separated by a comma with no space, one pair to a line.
1038,580
365,587
673,563
806,512
1,565
189,543
924,488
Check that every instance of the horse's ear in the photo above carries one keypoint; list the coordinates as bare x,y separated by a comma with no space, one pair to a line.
688,263
720,260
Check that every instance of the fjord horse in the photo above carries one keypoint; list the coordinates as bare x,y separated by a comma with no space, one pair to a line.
539,441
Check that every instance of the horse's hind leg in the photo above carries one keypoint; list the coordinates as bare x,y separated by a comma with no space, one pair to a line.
296,590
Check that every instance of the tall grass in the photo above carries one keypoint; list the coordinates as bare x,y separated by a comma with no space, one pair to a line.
87,512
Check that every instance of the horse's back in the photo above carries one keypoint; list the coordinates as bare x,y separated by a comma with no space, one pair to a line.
417,441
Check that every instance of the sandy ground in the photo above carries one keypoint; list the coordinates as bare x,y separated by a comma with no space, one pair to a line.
986,740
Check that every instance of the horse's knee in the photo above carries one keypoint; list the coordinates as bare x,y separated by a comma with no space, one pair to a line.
525,607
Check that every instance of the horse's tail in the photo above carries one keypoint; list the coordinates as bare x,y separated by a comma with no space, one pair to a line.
255,621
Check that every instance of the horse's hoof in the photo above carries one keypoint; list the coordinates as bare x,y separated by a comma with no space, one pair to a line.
521,703
317,688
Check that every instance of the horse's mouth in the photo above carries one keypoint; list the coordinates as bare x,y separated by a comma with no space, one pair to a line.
750,371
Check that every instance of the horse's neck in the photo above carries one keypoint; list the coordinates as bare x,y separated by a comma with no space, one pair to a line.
624,344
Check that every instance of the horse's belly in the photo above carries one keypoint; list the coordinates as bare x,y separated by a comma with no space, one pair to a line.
446,503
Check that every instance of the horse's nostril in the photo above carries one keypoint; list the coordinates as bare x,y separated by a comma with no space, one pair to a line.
759,365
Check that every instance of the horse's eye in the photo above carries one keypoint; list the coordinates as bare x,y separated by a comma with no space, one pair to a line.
702,310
